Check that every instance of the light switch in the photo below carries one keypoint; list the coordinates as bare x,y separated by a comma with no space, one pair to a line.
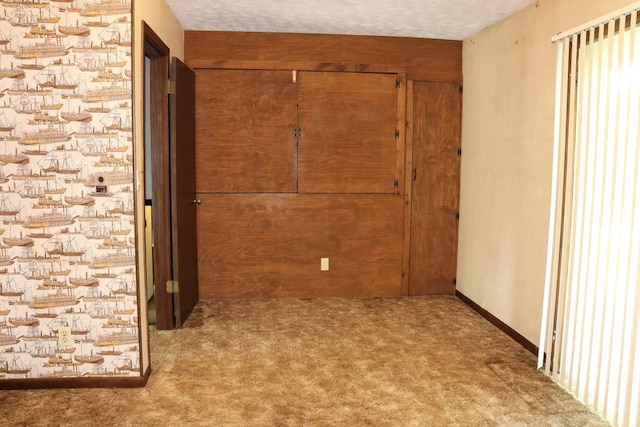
324,264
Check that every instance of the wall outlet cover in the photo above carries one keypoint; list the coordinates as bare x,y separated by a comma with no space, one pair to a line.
64,336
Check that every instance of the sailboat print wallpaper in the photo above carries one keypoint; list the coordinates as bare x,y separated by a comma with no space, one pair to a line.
68,300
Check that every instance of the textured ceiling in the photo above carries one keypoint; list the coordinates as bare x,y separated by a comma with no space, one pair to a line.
436,19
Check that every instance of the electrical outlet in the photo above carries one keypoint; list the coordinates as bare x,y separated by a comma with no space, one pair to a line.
324,264
64,336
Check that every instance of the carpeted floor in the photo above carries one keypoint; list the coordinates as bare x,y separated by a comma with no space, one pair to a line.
419,361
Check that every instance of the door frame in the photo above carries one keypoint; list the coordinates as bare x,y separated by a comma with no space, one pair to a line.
159,54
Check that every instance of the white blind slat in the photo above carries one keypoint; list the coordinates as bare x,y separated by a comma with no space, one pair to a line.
631,352
583,159
592,126
555,217
564,289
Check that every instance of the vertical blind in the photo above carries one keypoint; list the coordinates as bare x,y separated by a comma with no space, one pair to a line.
590,339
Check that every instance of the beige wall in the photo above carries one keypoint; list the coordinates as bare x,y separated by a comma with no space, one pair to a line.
507,142
160,18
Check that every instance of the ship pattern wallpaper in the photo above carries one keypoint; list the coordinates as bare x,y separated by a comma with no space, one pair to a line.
68,294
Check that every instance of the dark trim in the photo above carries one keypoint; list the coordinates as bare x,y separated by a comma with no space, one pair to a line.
159,55
98,382
499,324
153,44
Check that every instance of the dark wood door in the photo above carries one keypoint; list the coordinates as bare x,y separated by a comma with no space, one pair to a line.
435,189
183,191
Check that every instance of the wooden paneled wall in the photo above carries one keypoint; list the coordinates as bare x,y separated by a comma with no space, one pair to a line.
276,199
419,59
270,245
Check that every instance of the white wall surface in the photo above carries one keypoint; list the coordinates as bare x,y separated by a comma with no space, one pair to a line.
507,142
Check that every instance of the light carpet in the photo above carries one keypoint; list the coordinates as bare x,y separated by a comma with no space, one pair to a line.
414,361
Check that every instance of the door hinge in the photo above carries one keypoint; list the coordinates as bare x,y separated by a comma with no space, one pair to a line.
397,81
172,287
171,87
457,216
459,152
297,132
397,133
454,280
395,183
460,88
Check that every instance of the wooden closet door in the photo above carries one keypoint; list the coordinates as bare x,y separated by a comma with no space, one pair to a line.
245,131
435,189
348,127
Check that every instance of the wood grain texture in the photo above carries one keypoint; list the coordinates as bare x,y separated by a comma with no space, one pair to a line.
183,191
435,194
348,123
420,59
408,168
245,122
261,243
160,165
401,127
270,245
